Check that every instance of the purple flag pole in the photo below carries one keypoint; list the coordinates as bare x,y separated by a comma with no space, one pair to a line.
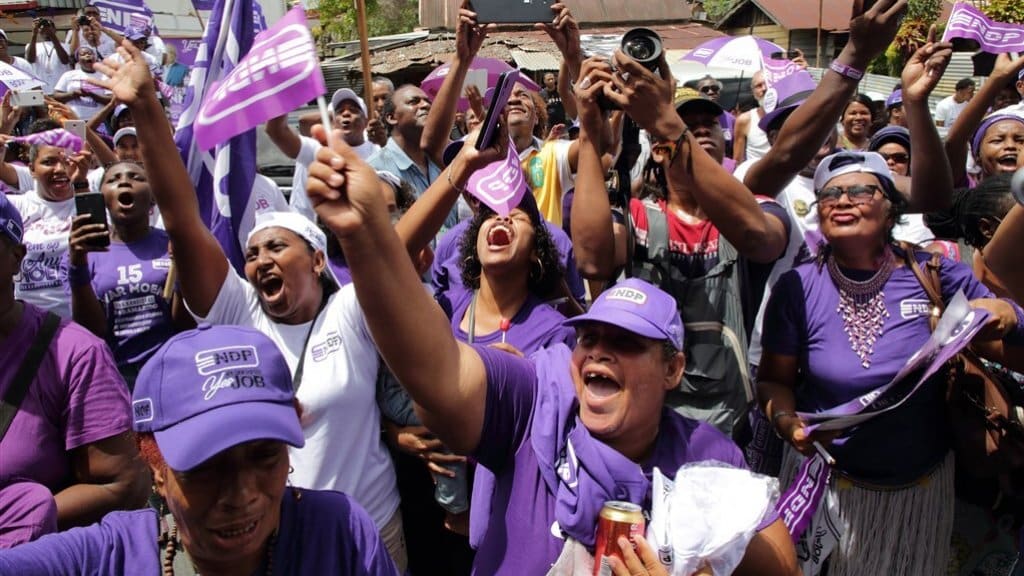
223,179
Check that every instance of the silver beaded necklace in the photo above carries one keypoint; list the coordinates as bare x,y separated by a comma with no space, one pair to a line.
862,305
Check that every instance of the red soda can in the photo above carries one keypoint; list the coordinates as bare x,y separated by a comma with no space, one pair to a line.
616,519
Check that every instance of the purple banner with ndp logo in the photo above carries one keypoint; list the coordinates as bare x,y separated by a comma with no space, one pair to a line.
280,73
966,21
120,15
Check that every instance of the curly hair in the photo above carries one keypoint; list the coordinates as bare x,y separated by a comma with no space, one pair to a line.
542,284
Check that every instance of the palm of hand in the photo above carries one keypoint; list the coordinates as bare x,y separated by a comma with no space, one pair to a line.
127,82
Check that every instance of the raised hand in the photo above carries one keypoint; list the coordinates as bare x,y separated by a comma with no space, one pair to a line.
925,67
1006,68
565,33
595,75
476,102
84,238
129,81
469,35
80,164
873,30
645,96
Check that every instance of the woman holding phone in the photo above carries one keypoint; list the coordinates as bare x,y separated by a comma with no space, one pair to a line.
119,292
47,211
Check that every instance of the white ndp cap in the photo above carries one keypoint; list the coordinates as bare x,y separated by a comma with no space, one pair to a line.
851,161
293,221
345,94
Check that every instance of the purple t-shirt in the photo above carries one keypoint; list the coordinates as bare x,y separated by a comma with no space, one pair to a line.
520,538
446,276
129,281
801,321
537,325
77,398
322,532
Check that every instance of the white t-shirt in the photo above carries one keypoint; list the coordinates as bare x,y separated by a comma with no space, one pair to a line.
156,48
340,420
48,66
43,275
299,201
73,81
947,111
757,140
26,183
106,47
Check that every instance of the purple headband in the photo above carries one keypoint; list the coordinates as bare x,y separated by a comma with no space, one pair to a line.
987,123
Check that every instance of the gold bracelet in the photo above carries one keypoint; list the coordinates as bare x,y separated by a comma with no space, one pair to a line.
452,183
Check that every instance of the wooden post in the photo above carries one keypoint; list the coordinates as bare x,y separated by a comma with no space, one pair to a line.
817,58
364,48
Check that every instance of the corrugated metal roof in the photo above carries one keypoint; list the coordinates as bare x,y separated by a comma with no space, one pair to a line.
804,14
442,14
535,60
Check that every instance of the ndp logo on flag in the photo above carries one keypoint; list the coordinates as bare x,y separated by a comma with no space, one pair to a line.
272,67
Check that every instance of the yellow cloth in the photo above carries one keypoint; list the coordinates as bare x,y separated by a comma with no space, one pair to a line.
541,171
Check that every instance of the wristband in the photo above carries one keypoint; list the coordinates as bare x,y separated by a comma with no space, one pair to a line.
79,276
846,71
671,149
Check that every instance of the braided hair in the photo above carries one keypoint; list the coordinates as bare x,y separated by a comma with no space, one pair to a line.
990,201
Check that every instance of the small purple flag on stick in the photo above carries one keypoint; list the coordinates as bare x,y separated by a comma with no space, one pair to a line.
499,185
966,21
280,73
58,137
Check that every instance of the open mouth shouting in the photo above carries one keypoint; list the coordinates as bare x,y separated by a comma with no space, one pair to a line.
499,236
236,534
599,385
270,287
1007,162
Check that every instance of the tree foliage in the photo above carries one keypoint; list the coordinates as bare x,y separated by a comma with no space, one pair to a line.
338,18
716,9
1009,11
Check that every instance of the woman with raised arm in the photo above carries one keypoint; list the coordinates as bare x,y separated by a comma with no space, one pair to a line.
563,431
287,293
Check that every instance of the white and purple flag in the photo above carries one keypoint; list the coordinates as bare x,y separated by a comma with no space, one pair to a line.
224,178
966,21
280,73
120,15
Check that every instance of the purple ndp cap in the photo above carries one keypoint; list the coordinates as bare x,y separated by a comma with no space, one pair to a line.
850,161
212,388
11,224
784,96
637,306
894,99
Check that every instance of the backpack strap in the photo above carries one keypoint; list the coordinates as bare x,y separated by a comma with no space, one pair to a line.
929,280
27,372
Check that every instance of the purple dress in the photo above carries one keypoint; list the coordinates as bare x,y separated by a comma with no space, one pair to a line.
321,532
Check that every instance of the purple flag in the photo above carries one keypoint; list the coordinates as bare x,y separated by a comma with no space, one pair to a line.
120,15
58,137
279,74
499,185
223,179
966,21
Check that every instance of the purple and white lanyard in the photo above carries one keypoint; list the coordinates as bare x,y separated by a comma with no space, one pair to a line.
958,325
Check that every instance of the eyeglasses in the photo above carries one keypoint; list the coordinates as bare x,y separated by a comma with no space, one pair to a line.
710,89
897,157
858,194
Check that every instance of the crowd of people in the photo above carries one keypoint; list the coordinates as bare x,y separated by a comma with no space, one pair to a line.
404,378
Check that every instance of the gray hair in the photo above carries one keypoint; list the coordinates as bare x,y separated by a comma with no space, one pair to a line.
384,81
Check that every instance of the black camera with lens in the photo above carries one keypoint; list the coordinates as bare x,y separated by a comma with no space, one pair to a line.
83,20
643,45
45,23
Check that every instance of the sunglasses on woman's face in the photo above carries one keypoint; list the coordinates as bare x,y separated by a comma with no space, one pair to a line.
710,89
897,157
858,194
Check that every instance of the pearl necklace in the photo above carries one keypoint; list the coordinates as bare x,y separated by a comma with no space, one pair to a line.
862,305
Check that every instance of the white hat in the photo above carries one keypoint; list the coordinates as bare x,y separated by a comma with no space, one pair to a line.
128,131
346,94
851,161
293,221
